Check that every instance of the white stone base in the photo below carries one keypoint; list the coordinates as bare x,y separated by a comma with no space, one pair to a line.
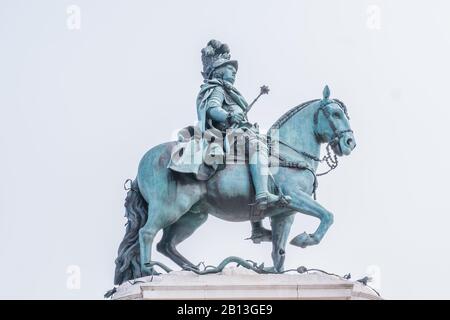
240,283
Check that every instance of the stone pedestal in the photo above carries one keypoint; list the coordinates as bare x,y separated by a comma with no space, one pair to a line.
240,283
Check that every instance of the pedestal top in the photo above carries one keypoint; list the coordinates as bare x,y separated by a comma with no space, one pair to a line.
240,283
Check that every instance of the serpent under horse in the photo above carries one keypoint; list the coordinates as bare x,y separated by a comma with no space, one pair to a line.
160,199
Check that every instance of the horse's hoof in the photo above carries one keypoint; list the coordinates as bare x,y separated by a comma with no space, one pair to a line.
149,271
190,267
302,240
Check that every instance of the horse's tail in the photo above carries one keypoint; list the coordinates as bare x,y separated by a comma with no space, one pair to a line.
128,264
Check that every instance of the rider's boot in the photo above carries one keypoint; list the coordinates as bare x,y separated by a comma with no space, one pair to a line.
259,233
259,172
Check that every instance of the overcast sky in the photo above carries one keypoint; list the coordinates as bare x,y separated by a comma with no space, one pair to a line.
82,98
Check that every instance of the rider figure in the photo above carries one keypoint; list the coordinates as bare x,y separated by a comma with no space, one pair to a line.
221,106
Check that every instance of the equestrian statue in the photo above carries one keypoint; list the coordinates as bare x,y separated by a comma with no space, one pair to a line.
225,167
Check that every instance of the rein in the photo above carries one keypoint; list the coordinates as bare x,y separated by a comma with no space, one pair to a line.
330,158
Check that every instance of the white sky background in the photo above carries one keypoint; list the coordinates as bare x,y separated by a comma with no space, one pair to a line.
78,109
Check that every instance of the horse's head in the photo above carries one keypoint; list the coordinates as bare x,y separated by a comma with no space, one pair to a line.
332,125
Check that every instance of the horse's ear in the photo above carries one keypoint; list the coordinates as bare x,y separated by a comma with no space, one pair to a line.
326,93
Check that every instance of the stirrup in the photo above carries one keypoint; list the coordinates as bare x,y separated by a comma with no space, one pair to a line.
262,201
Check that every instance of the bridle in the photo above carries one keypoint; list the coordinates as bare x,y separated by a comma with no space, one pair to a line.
337,134
330,158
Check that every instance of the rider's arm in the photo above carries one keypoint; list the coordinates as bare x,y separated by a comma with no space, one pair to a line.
215,110
218,114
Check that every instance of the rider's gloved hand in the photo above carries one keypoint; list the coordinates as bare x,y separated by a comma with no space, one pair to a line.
236,118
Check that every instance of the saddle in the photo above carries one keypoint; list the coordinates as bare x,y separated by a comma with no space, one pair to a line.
189,154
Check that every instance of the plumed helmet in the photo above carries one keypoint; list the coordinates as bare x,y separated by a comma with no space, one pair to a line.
216,54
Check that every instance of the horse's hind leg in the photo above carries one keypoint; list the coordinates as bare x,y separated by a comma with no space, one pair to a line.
160,216
281,225
177,233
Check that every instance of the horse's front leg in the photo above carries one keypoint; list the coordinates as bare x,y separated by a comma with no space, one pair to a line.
303,203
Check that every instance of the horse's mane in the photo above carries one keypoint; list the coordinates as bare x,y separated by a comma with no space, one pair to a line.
289,114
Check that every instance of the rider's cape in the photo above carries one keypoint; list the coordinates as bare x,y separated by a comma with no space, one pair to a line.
201,149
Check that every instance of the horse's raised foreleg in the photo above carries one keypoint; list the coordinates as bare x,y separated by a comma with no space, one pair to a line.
281,225
303,203
177,233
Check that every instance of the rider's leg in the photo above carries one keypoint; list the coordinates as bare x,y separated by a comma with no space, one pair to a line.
259,171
